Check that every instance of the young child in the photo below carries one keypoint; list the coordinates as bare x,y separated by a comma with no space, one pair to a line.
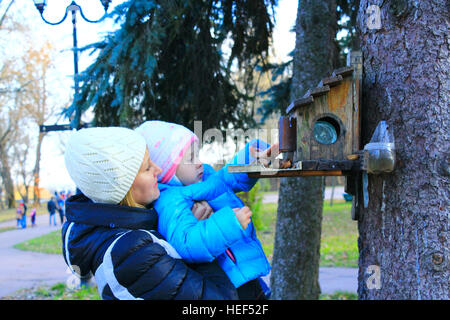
228,236
33,217
19,214
110,227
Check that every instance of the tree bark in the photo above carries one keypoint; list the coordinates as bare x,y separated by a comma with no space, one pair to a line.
36,170
295,269
6,177
403,240
2,207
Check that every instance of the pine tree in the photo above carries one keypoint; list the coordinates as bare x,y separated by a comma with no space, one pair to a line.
278,97
166,62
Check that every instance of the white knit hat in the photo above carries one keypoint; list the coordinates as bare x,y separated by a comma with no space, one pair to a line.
103,162
167,142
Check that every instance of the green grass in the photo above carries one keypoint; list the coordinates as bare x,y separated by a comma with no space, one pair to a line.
58,291
8,214
339,242
48,243
7,229
339,295
339,251
339,234
61,292
266,233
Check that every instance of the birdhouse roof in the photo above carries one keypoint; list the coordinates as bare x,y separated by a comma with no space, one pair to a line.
321,89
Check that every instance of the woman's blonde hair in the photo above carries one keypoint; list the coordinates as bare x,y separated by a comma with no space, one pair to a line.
128,200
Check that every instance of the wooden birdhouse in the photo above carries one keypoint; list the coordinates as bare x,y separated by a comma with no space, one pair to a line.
321,133
328,116
320,136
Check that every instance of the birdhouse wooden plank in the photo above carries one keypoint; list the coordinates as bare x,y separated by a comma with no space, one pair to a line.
328,116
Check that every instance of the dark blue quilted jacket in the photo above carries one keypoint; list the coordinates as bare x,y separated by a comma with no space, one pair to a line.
129,260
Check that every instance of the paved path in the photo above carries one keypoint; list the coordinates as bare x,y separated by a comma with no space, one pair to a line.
330,279
25,269
337,195
335,279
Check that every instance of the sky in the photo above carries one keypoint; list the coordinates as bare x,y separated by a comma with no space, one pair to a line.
54,175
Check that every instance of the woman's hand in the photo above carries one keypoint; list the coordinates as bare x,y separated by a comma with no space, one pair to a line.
243,215
202,210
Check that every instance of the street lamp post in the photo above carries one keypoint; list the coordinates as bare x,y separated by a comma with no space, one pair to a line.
73,8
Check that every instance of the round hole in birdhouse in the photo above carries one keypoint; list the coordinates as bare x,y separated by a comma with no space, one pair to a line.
326,130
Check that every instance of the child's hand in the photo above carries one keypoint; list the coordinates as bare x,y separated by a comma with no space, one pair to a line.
243,215
270,153
202,210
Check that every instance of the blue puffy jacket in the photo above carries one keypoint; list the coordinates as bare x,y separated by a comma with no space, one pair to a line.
205,240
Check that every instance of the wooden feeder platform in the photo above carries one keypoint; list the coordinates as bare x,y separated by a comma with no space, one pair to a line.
303,168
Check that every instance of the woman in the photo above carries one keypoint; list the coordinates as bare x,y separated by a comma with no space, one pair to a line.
111,228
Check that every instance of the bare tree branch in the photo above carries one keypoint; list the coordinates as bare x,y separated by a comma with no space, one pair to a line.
6,11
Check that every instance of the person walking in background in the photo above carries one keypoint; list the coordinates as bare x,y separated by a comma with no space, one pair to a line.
51,207
19,213
60,205
23,221
33,217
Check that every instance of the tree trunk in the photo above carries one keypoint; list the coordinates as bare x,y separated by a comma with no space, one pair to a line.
295,269
403,241
1,195
7,180
36,170
24,195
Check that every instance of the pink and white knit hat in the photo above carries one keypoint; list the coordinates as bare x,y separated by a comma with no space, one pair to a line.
166,142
